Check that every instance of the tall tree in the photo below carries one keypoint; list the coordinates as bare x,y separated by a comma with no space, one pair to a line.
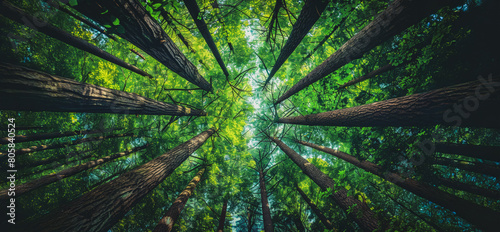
399,15
475,151
53,159
101,208
471,188
383,69
222,218
166,224
266,212
18,15
315,209
491,170
355,209
27,89
459,104
140,29
53,135
483,217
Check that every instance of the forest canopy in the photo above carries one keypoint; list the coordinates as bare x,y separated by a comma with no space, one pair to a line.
249,115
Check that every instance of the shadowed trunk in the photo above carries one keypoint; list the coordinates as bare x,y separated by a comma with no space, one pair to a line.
483,217
36,137
359,211
475,151
58,165
469,166
399,15
140,29
266,212
22,17
101,208
298,223
315,209
26,89
53,159
49,179
222,218
471,104
167,222
471,188
383,69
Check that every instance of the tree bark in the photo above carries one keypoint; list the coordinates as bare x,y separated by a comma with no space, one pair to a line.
194,10
266,212
471,188
383,69
359,211
101,208
144,32
399,15
475,151
310,13
26,89
55,166
222,218
52,159
315,209
167,222
447,106
22,17
37,137
469,166
49,179
483,217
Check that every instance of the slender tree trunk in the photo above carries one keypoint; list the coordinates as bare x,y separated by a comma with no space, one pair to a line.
469,104
399,15
222,218
475,151
22,17
315,209
471,188
359,211
266,212
53,135
274,18
383,69
167,222
483,217
310,13
19,128
56,166
144,32
49,179
469,166
298,223
26,89
194,10
101,208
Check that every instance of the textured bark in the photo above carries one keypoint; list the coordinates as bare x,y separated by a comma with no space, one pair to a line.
315,209
222,218
310,13
167,222
22,17
470,166
360,212
399,15
194,10
101,208
383,69
107,179
471,188
266,212
422,109
475,151
36,137
483,217
57,165
49,179
144,32
26,89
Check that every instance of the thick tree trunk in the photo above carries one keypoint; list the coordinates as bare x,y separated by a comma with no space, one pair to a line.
475,151
310,13
25,89
144,32
266,212
469,104
483,217
222,218
399,15
22,17
36,137
101,208
49,179
359,211
471,188
469,166
383,69
167,222
194,10
315,209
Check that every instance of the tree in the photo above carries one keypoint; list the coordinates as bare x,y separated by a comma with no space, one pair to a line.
36,137
475,151
266,212
471,188
315,209
222,219
476,167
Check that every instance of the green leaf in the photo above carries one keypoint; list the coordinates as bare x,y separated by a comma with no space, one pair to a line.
116,22
107,26
157,5
73,2
105,12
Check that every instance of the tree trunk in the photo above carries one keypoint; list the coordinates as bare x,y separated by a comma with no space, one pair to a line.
49,179
469,166
222,218
22,17
310,13
399,15
315,209
101,208
144,32
298,223
36,137
26,89
53,159
475,151
18,128
274,18
194,10
266,212
471,188
167,222
56,166
383,69
483,217
422,109
359,211
106,179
